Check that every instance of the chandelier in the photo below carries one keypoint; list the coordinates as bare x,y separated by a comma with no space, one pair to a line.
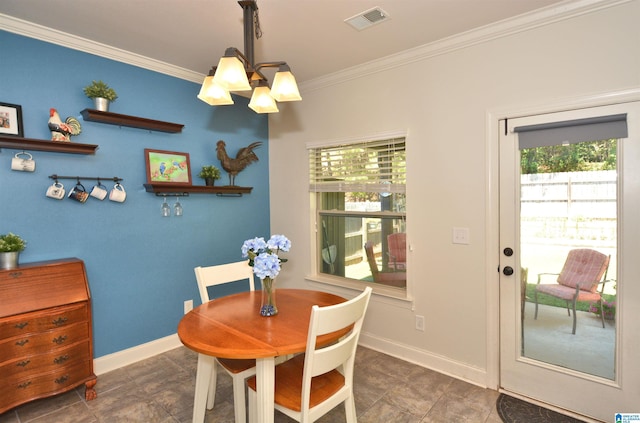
237,72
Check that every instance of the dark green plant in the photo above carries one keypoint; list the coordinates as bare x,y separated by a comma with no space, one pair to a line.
100,89
209,172
11,243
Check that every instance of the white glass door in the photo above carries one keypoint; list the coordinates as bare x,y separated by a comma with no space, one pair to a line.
555,197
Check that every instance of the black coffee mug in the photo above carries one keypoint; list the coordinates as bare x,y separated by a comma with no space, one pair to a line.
78,193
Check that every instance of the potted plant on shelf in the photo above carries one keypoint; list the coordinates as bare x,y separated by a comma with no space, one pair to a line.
101,94
209,174
10,247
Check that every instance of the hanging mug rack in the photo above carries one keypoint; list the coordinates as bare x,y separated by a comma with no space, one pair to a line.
93,178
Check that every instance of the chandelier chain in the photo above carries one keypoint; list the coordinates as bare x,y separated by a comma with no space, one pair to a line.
256,22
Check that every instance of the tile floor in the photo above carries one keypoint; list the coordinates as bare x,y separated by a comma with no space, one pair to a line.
160,390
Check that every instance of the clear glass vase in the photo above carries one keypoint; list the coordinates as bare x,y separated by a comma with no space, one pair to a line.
268,306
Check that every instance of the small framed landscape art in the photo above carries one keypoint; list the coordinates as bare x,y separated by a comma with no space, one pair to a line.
11,120
167,167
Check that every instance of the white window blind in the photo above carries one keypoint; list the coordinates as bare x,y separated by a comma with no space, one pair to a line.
370,166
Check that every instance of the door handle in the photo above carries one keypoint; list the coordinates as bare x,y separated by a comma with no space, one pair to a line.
508,270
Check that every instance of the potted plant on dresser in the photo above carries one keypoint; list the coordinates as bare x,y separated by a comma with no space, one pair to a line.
101,94
10,247
209,174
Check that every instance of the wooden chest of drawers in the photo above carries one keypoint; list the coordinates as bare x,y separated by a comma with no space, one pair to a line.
46,344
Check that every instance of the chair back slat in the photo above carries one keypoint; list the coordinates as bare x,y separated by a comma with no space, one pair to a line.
398,246
339,355
371,258
221,274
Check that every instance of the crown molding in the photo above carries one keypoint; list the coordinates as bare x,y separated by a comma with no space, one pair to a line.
525,22
43,33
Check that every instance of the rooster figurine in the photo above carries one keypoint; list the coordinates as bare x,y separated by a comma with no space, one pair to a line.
61,131
244,158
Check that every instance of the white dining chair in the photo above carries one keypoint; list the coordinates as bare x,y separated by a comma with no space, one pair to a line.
311,384
239,370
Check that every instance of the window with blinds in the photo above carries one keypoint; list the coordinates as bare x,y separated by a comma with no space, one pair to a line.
360,202
374,166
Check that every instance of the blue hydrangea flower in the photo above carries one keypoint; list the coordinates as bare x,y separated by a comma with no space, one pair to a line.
263,256
279,242
266,265
256,245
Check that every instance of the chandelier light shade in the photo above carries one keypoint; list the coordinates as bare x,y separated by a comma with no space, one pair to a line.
236,72
262,101
213,94
231,74
284,85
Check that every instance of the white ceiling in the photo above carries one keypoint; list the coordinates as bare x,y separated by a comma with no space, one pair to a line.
310,35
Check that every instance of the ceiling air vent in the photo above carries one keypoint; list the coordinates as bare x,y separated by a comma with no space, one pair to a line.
367,18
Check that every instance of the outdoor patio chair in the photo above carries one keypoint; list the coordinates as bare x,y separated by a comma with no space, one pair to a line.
397,250
581,274
398,279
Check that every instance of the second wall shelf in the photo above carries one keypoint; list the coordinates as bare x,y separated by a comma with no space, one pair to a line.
197,189
93,115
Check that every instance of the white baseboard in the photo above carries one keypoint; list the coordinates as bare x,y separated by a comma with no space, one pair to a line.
440,364
119,359
408,353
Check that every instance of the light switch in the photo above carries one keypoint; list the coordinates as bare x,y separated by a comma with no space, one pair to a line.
461,236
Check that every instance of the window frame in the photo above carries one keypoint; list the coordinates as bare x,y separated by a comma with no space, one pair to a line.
315,213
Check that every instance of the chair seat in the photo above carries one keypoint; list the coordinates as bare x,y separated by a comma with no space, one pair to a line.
236,366
288,392
567,293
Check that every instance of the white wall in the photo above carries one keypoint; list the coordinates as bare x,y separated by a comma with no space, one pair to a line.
441,94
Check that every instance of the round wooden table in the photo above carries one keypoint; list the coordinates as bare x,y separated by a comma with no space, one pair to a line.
232,327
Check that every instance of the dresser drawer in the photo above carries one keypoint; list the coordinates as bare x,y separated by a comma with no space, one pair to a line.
43,320
44,384
42,363
36,343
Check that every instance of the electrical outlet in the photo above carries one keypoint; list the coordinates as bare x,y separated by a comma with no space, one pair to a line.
188,306
420,323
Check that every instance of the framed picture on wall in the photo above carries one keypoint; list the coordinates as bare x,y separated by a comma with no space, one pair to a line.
11,120
170,167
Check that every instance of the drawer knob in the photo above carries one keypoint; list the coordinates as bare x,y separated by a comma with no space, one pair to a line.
24,385
60,321
23,363
15,274
60,339
21,325
62,379
61,359
22,342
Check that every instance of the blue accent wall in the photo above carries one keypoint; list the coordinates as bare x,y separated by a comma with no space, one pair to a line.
139,264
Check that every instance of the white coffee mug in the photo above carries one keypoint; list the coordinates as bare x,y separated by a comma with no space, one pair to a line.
99,191
118,193
23,164
56,191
